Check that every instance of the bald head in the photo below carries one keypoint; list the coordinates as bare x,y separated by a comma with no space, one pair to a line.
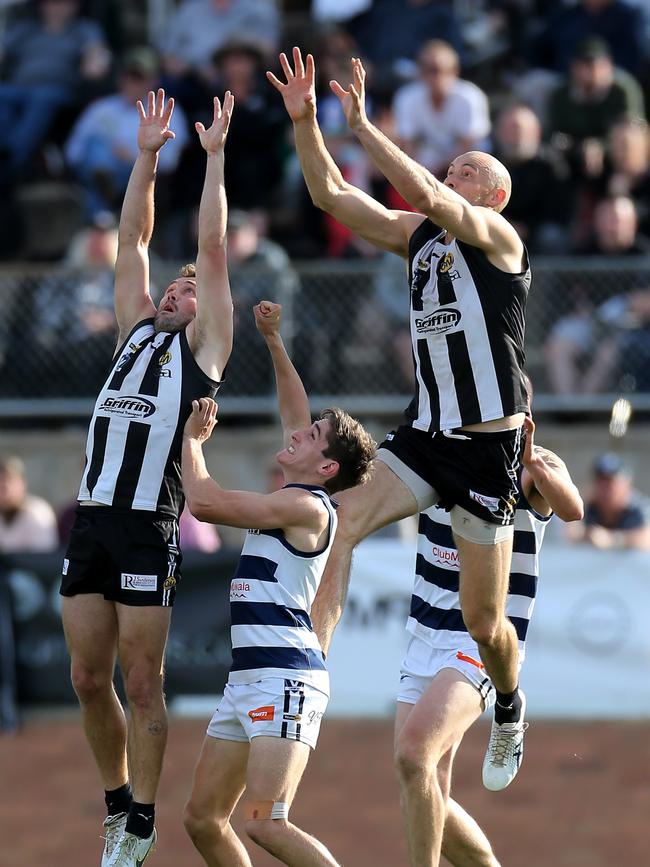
494,177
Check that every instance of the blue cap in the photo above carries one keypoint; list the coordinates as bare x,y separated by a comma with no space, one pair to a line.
611,464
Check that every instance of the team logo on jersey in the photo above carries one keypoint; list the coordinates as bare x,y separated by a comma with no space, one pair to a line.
445,557
131,350
239,589
440,322
445,263
129,406
262,714
169,582
164,359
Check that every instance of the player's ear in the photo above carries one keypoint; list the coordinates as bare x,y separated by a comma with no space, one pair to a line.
328,469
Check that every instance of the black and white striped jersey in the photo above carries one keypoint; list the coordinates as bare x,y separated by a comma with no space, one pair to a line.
133,450
467,332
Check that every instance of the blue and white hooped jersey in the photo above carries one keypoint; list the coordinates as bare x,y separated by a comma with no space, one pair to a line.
435,615
270,604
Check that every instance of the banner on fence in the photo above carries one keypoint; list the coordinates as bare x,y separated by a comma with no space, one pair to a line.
588,651
587,654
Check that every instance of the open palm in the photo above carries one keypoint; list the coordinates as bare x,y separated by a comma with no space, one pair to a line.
299,93
213,138
154,130
353,100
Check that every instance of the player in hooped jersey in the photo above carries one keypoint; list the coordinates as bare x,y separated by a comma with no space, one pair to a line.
443,685
461,446
278,687
121,566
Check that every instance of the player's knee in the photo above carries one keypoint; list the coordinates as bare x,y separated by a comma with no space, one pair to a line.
483,626
143,687
89,684
200,825
411,762
267,833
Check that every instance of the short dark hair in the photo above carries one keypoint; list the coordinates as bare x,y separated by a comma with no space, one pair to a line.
349,444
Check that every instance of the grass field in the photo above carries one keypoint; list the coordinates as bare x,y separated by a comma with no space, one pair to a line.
582,797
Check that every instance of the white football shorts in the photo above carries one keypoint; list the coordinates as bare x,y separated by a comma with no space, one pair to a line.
423,662
274,707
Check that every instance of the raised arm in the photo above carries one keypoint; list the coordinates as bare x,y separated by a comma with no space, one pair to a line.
210,334
546,481
132,299
479,226
389,230
292,397
208,501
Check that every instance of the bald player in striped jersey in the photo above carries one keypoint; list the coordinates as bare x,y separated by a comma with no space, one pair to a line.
278,688
443,684
461,443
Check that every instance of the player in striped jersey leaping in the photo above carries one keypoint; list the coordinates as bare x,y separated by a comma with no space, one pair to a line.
461,444
278,687
122,562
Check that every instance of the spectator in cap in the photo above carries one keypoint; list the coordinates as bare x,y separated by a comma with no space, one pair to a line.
101,148
582,109
27,523
616,515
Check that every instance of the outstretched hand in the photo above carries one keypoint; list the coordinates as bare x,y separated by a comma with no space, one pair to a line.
267,317
299,93
213,139
154,130
353,100
202,420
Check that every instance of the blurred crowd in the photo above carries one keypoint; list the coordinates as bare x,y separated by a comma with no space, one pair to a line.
556,89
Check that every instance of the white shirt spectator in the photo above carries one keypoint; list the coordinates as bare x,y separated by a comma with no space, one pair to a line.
433,133
32,528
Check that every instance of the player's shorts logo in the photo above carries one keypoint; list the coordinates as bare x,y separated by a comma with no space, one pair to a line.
139,582
490,503
262,714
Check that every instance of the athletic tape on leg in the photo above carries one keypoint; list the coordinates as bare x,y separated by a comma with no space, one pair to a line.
267,810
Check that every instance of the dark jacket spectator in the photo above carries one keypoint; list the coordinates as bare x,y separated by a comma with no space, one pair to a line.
594,96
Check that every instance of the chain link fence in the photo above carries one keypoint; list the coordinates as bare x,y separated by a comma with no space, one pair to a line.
346,326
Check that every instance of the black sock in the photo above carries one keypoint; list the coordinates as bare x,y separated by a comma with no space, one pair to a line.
508,706
118,800
140,819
